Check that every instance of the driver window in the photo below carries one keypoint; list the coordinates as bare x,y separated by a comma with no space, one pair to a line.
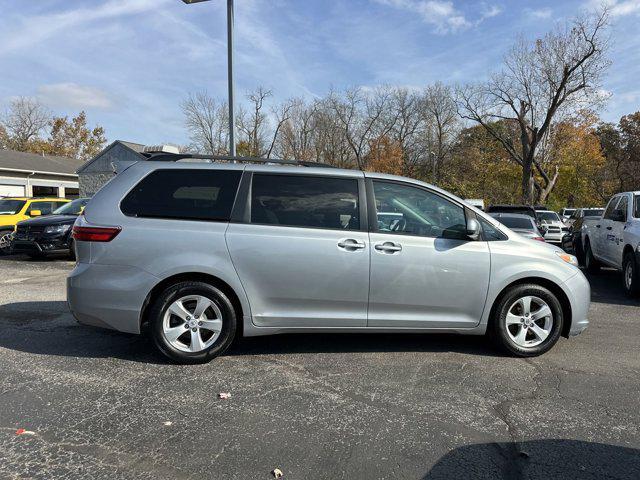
611,208
407,210
623,206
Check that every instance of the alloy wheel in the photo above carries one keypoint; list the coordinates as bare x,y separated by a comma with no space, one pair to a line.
5,242
529,321
192,323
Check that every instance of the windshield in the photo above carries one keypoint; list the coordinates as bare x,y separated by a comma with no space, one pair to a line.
548,216
593,212
516,222
10,207
72,208
568,211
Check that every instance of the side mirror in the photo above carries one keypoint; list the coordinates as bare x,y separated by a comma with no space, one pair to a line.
473,229
35,213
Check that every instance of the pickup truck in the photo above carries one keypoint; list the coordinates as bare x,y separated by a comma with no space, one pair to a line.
613,239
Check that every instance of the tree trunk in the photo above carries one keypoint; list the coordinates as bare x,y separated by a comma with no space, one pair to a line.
527,182
544,193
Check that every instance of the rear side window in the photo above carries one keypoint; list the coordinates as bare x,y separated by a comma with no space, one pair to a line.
305,201
636,209
184,194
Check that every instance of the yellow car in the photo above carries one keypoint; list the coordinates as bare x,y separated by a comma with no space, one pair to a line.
16,209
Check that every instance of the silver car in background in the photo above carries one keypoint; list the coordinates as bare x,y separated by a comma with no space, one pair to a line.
203,252
521,224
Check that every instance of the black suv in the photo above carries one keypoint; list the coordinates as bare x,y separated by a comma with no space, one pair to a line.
48,235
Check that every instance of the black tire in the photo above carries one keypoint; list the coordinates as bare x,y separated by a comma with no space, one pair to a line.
498,327
590,263
182,289
631,275
579,252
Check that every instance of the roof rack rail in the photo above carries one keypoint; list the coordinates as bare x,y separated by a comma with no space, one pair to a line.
174,157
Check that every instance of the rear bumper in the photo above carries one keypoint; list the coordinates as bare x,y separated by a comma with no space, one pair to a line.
108,296
578,292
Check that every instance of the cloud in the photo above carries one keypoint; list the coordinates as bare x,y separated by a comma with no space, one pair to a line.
490,12
539,14
35,29
72,95
441,14
617,8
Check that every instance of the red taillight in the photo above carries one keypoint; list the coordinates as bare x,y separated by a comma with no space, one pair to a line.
95,234
540,239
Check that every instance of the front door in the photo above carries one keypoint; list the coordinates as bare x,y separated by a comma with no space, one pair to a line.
303,258
605,236
424,272
616,233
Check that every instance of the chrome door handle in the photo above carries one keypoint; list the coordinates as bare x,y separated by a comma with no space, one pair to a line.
351,244
388,247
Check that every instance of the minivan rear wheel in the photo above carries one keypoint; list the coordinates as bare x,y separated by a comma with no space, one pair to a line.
192,322
527,321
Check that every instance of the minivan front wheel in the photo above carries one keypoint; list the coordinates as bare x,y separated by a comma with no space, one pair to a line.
528,320
192,322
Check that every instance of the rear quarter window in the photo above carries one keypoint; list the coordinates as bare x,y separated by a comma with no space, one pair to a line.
184,194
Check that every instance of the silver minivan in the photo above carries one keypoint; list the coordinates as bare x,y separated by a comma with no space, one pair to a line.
203,252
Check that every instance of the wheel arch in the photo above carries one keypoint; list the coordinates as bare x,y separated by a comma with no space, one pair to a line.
627,249
198,277
548,284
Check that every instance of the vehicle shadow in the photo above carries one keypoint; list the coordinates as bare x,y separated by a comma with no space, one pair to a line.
26,258
606,287
48,328
538,459
363,343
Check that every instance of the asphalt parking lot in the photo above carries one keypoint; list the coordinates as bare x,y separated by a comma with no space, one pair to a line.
100,404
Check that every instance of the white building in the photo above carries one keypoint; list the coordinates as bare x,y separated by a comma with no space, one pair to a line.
32,175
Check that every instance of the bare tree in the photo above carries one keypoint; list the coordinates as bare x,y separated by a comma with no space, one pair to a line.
252,124
329,136
4,138
363,117
207,123
540,81
296,135
24,121
442,125
407,126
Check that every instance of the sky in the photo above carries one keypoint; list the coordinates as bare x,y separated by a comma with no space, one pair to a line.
130,63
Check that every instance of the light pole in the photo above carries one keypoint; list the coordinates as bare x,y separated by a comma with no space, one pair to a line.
232,127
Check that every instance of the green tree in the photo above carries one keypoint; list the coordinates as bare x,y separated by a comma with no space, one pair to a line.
480,168
577,154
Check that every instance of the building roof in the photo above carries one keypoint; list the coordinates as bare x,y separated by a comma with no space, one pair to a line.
10,159
134,147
